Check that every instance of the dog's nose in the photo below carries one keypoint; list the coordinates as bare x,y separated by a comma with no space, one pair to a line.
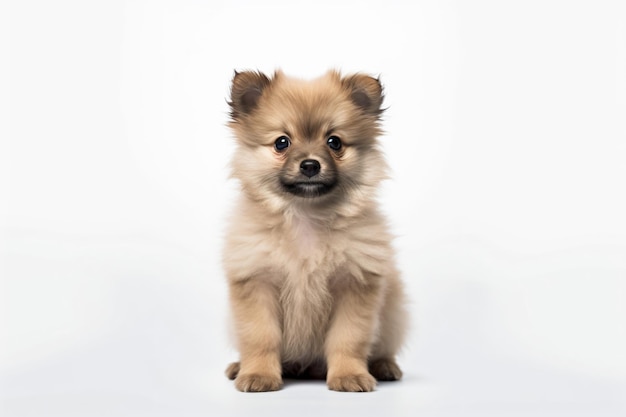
310,167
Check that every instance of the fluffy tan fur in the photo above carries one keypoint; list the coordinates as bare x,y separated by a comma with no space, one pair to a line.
313,285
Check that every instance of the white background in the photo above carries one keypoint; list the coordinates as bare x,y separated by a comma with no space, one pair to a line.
506,133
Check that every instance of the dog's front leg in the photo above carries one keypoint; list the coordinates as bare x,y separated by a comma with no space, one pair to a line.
256,312
349,339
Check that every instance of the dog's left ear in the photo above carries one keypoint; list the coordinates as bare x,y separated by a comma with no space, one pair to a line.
366,92
246,90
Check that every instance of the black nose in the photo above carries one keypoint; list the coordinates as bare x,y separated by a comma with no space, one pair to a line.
310,167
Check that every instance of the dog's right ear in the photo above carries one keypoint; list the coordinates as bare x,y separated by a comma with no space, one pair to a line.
245,92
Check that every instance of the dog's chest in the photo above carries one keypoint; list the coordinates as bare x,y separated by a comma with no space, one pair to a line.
309,264
304,237
311,248
306,304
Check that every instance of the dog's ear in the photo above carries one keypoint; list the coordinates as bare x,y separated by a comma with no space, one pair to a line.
245,91
365,91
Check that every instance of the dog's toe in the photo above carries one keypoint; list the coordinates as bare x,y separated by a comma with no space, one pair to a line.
258,383
352,383
233,370
385,370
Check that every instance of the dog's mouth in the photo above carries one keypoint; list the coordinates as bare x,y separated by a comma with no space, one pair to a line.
308,189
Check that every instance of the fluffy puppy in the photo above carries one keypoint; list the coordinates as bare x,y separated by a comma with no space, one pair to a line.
313,286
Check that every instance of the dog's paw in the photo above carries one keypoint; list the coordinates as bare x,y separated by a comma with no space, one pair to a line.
352,383
258,383
385,370
232,371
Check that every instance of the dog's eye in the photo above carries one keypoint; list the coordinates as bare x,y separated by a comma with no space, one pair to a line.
282,143
334,143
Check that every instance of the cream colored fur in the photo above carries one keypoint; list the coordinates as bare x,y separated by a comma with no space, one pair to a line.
313,284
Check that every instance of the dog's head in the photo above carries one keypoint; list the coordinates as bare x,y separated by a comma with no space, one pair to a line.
307,143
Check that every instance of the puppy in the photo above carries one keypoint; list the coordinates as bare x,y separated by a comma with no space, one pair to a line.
314,290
